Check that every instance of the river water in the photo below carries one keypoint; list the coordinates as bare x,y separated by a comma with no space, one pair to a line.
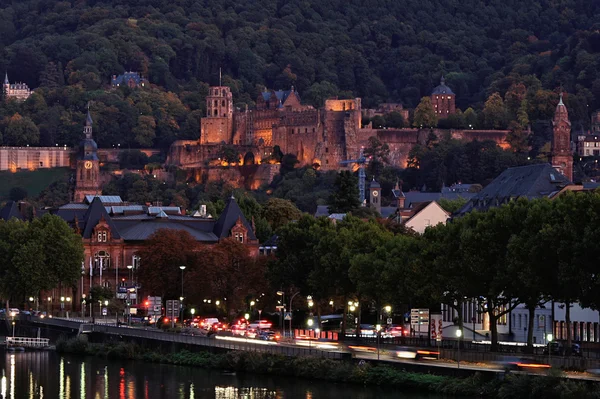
49,375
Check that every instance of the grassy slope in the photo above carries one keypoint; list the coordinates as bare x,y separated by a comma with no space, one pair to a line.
32,181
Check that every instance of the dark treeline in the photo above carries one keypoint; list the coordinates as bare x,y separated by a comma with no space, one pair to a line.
378,50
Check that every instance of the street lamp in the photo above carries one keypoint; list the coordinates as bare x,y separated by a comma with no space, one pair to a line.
105,304
549,338
181,308
68,301
83,305
458,336
130,267
282,295
182,267
62,305
378,328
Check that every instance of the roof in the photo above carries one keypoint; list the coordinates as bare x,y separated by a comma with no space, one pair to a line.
457,188
229,218
374,184
94,214
387,211
413,197
322,210
442,88
530,181
10,211
105,199
142,230
88,119
337,216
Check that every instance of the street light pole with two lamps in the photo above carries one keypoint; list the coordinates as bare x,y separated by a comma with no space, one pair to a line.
182,267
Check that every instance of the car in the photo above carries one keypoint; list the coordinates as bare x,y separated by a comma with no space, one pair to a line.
251,333
556,348
367,330
13,312
394,331
521,363
208,322
268,336
238,329
218,326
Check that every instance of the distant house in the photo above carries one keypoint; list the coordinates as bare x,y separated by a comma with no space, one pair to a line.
129,79
19,91
530,181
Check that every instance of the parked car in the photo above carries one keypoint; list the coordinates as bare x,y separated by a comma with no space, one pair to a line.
556,348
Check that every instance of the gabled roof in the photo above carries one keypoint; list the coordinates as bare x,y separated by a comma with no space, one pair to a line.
126,77
142,230
105,199
10,210
228,219
530,181
95,212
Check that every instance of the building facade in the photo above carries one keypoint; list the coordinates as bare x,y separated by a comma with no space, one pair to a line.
18,91
130,79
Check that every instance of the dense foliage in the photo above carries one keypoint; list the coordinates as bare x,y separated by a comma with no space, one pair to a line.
378,50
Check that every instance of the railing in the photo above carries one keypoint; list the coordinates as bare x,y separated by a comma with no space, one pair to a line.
27,342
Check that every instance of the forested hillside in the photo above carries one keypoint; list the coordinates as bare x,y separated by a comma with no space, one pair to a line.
380,50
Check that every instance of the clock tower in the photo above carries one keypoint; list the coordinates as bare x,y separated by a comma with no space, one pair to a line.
87,175
375,195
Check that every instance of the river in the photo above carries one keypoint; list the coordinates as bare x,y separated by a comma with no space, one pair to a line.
50,375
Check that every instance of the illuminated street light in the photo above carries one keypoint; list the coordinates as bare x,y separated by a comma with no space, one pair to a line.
247,316
217,302
352,308
252,303
458,336
388,309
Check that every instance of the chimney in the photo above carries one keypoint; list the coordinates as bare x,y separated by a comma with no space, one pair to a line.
401,202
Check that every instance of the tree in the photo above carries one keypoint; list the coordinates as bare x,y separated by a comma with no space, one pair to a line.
425,114
494,112
145,131
394,119
162,254
20,131
345,197
452,205
279,212
470,117
517,138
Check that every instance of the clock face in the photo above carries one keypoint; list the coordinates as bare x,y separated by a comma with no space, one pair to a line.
375,193
88,164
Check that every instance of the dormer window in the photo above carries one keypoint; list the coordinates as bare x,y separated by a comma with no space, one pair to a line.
102,236
239,237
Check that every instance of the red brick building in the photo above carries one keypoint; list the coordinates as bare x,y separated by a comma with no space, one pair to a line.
113,231
443,100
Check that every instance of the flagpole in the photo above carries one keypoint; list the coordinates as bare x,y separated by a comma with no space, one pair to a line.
91,272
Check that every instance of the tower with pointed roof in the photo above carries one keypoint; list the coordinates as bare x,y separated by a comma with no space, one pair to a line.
443,100
562,155
87,174
217,126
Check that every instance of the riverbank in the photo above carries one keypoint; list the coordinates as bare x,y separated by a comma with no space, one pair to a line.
514,386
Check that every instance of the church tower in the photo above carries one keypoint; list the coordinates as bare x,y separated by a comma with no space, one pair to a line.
443,100
562,156
6,84
87,175
375,195
217,126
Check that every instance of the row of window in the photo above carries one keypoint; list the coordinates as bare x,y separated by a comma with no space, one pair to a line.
305,130
580,331
592,152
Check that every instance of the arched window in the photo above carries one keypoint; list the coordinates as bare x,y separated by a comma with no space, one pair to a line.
224,93
216,112
135,261
101,259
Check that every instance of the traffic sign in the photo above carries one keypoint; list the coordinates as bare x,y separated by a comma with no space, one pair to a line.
279,307
104,311
172,308
389,320
288,316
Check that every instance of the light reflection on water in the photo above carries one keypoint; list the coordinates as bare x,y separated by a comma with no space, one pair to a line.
38,375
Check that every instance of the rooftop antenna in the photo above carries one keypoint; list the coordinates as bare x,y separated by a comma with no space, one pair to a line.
220,77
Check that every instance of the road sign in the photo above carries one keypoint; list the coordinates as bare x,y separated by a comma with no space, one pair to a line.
389,320
172,308
435,325
104,311
154,305
419,320
288,316
279,307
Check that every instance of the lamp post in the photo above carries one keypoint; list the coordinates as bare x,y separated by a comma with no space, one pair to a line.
181,309
378,328
549,338
309,322
282,295
105,304
68,302
130,267
458,336
182,267
62,305
83,305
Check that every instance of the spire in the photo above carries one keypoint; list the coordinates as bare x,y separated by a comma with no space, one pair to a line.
87,130
442,80
6,78
560,101
397,187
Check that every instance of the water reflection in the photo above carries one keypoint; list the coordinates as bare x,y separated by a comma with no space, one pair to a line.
45,374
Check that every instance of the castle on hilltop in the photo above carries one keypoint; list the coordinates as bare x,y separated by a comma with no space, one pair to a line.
320,137
19,91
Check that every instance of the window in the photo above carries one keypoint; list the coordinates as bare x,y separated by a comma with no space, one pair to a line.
239,237
223,103
216,103
135,261
326,149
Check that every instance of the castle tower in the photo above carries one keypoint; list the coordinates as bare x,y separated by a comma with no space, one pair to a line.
6,84
217,126
375,195
443,100
87,175
562,156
